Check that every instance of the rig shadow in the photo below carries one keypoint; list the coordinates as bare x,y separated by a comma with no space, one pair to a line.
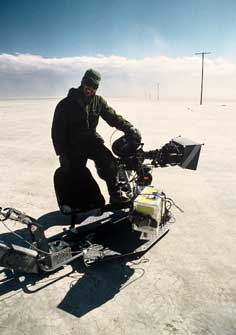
99,284
89,287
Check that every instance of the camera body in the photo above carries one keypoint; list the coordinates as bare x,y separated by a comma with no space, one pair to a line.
179,151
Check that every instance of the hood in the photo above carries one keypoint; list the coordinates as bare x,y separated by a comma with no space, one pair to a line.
75,92
78,95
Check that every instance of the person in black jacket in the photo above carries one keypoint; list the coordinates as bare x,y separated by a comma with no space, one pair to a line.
74,133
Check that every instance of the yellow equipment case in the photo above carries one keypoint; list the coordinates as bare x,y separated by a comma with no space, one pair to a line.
149,205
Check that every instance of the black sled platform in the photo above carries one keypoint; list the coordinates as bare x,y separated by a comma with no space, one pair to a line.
98,238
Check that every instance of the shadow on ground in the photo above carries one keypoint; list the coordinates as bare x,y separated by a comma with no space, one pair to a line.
89,287
99,284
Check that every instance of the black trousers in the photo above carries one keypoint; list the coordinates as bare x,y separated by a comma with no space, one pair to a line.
104,160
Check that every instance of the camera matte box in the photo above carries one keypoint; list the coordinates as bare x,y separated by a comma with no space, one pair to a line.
190,151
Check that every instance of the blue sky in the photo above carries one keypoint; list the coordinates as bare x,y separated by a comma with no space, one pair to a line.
46,46
136,29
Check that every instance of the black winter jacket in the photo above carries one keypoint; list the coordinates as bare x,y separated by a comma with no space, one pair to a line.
75,120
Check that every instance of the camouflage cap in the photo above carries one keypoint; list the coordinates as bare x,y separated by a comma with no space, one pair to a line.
91,78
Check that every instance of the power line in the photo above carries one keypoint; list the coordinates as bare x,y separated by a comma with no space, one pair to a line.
203,54
158,91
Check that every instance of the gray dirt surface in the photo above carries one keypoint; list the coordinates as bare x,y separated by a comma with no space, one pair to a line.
184,285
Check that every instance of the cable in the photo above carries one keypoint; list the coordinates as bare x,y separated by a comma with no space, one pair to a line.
172,203
112,136
75,279
134,280
27,242
142,260
142,274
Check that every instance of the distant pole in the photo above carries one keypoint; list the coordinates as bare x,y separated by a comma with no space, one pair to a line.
202,53
158,91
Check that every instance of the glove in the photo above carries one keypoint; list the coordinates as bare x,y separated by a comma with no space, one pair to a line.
64,162
134,133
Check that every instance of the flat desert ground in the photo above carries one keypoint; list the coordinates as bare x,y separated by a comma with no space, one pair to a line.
185,285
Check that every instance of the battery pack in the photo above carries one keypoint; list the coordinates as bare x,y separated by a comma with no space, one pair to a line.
149,210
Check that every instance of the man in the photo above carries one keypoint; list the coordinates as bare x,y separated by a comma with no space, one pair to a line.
74,133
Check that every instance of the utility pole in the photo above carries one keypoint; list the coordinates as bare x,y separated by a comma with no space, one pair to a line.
203,54
158,91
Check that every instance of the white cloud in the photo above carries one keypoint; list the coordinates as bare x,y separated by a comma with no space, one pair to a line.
28,75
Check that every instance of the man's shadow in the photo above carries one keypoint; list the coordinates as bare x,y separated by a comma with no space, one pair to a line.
99,284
